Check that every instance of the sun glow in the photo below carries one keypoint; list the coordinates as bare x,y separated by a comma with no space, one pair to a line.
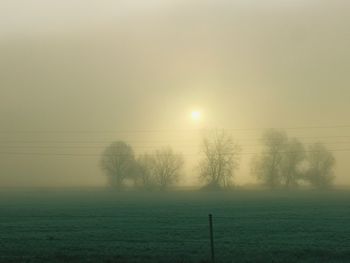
195,115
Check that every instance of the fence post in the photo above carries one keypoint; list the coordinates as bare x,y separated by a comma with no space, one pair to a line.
211,238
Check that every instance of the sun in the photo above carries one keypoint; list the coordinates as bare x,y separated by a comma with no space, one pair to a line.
196,115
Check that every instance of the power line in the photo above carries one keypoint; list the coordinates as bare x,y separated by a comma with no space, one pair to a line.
186,154
155,141
135,147
176,130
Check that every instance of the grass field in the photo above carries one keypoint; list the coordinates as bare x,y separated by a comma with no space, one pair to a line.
106,226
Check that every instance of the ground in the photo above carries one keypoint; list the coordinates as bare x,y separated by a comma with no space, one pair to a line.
107,226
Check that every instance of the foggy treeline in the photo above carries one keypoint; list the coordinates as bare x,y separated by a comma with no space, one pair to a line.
157,170
286,162
282,163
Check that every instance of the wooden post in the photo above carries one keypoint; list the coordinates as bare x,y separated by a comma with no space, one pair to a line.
211,238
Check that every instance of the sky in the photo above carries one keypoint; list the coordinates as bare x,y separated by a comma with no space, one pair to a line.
76,75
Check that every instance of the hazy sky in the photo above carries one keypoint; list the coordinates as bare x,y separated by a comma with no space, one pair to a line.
71,72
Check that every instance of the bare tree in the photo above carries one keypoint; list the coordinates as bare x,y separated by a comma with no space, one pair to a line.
118,163
220,161
292,160
167,166
321,163
267,165
145,172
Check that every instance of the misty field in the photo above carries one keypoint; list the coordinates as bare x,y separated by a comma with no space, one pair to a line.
106,226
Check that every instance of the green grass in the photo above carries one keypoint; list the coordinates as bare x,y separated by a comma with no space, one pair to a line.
106,226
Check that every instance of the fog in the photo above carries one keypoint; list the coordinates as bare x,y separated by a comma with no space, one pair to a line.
77,75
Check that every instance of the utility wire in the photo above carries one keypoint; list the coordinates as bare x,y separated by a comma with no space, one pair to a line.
135,147
176,130
156,141
97,155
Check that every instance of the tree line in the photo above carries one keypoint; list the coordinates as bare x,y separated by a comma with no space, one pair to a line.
286,162
282,163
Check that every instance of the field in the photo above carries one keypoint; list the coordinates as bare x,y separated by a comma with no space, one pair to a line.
106,226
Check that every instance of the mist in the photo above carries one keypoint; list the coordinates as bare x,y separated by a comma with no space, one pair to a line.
76,76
